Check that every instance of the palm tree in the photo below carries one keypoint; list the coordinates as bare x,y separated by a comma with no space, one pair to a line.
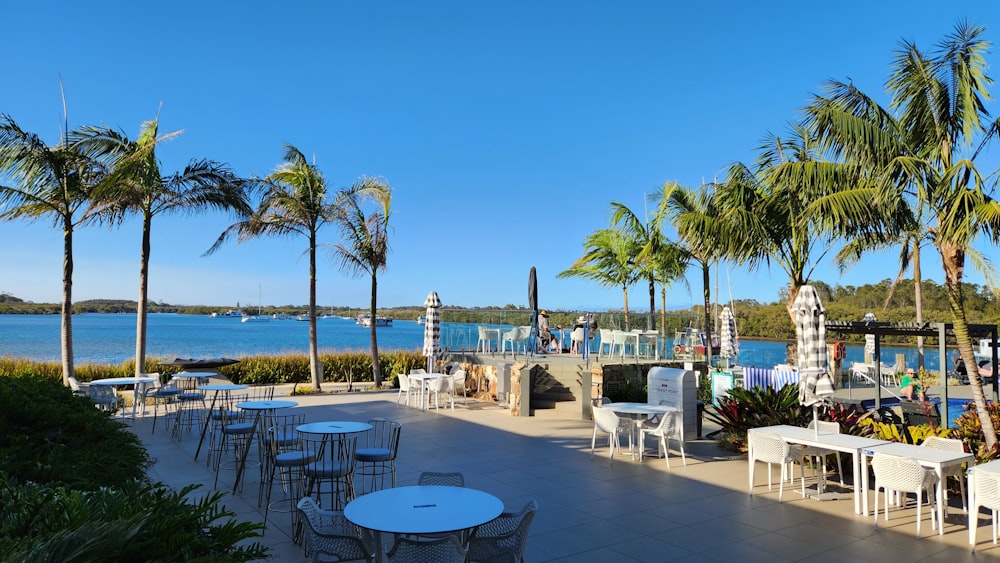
923,152
52,182
294,202
365,242
703,235
769,211
608,259
648,238
135,185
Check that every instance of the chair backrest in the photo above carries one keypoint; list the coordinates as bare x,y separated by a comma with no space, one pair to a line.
440,384
104,394
769,448
600,402
900,473
384,434
606,420
79,388
449,479
404,381
483,334
448,549
606,337
505,537
328,532
576,335
987,485
331,455
458,379
950,444
825,426
260,392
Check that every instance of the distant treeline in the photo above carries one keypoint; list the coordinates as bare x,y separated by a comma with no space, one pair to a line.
753,319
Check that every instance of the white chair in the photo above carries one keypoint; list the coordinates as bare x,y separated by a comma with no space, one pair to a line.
79,389
576,340
895,473
516,337
404,388
606,340
663,431
106,399
458,383
952,445
438,385
485,343
986,494
607,421
771,449
821,453
418,385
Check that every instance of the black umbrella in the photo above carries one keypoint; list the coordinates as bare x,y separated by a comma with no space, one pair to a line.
533,305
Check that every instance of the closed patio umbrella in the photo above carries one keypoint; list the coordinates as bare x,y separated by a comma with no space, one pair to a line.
533,305
432,329
869,338
815,385
727,333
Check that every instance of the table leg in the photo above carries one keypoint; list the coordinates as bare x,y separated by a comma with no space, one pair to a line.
246,452
204,428
857,478
864,485
973,509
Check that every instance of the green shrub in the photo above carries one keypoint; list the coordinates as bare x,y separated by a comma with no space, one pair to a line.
52,437
969,430
742,409
137,522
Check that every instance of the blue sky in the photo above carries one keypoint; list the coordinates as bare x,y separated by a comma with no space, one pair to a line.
505,128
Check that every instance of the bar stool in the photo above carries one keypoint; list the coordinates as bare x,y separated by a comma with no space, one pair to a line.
237,433
332,463
377,456
283,456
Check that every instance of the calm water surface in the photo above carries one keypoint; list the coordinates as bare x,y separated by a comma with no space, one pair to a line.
110,338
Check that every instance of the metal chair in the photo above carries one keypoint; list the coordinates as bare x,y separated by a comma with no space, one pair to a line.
165,395
503,538
377,456
447,549
333,459
283,456
236,432
447,479
895,473
327,532
771,449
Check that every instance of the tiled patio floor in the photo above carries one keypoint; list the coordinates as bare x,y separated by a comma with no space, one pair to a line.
590,510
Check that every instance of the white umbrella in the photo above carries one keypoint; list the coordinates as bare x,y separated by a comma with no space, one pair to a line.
727,333
432,329
815,385
869,338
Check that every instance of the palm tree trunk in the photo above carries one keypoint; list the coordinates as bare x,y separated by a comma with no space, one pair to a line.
918,297
140,316
953,259
651,320
625,299
376,368
66,332
314,366
707,294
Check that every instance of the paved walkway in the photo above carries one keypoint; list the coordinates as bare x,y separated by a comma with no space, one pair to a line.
591,510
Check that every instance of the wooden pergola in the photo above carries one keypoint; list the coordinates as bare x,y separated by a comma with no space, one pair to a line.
943,332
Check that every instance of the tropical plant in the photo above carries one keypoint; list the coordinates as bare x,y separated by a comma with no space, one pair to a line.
134,185
364,246
608,260
705,237
919,158
49,182
294,202
742,409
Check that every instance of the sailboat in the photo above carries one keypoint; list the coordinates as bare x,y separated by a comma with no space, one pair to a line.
258,318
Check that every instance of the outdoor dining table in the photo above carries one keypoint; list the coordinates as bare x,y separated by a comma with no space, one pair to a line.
422,510
640,412
424,378
122,381
931,458
260,408
847,443
225,389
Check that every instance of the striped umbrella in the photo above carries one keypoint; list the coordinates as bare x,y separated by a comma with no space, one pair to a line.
869,338
815,385
727,333
432,329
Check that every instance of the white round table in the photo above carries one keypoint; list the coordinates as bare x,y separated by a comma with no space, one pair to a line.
334,427
259,408
636,412
423,509
121,381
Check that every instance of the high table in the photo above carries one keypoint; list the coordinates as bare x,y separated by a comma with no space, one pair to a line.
225,388
330,432
931,458
639,412
121,381
259,408
422,510
854,445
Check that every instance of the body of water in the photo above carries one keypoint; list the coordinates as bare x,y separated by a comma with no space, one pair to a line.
110,338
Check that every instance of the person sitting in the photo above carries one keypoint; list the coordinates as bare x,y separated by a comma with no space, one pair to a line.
544,334
910,386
